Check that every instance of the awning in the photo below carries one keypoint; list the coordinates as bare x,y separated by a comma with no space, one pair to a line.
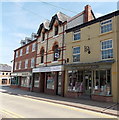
48,69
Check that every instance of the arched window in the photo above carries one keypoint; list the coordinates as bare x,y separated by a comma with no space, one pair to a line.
42,55
56,53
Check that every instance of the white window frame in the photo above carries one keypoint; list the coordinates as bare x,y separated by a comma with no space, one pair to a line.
76,32
33,47
16,54
21,52
27,49
26,63
106,49
75,54
32,62
20,65
104,24
15,67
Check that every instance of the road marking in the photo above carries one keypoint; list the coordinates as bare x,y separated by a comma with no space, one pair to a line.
103,115
12,114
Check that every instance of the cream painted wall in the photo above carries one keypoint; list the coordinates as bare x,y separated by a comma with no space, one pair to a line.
90,36
52,39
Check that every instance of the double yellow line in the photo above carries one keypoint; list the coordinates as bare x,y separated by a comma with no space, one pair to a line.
10,114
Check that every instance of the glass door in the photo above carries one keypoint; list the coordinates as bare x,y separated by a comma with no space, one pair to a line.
59,83
88,82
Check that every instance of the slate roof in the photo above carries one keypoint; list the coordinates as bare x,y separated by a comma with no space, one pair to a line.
5,67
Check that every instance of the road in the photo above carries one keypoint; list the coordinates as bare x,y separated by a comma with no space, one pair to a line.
13,106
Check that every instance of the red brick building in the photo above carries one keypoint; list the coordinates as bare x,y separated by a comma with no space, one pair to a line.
24,61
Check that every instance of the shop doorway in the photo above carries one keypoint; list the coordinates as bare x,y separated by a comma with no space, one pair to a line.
87,82
59,83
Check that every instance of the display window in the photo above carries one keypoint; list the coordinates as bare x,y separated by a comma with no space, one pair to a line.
50,78
75,81
25,81
36,80
102,84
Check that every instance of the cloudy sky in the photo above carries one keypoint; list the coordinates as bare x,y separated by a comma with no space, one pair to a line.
21,19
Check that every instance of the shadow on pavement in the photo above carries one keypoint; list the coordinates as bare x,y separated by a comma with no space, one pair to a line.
45,97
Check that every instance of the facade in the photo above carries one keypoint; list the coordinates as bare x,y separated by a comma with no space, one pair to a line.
92,69
5,74
49,74
24,61
72,56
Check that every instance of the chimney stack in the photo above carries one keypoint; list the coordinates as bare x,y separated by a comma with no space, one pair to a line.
88,14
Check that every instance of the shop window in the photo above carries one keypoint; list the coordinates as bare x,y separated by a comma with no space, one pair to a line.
106,26
4,81
6,73
56,54
32,62
2,73
21,52
25,81
42,56
75,81
36,80
27,49
107,49
50,78
76,54
77,36
14,81
103,82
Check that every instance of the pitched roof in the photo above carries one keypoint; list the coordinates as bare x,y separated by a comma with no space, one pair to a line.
5,67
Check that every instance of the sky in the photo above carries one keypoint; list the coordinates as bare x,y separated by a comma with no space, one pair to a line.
20,19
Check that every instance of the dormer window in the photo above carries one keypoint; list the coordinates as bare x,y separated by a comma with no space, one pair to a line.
42,56
43,36
56,30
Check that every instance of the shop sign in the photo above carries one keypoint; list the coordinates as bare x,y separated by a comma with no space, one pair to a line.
48,69
22,74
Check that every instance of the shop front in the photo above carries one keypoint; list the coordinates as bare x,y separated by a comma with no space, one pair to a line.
90,81
49,80
21,80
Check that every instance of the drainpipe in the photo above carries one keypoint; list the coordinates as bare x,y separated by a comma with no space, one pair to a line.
47,47
63,44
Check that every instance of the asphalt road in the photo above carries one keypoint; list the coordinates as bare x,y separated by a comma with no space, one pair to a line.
13,106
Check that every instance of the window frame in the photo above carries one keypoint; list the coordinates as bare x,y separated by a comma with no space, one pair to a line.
32,62
56,32
21,51
16,54
106,49
33,47
19,64
105,24
27,49
75,54
26,63
77,32
43,36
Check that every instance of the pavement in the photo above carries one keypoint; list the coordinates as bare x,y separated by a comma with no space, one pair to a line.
102,107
